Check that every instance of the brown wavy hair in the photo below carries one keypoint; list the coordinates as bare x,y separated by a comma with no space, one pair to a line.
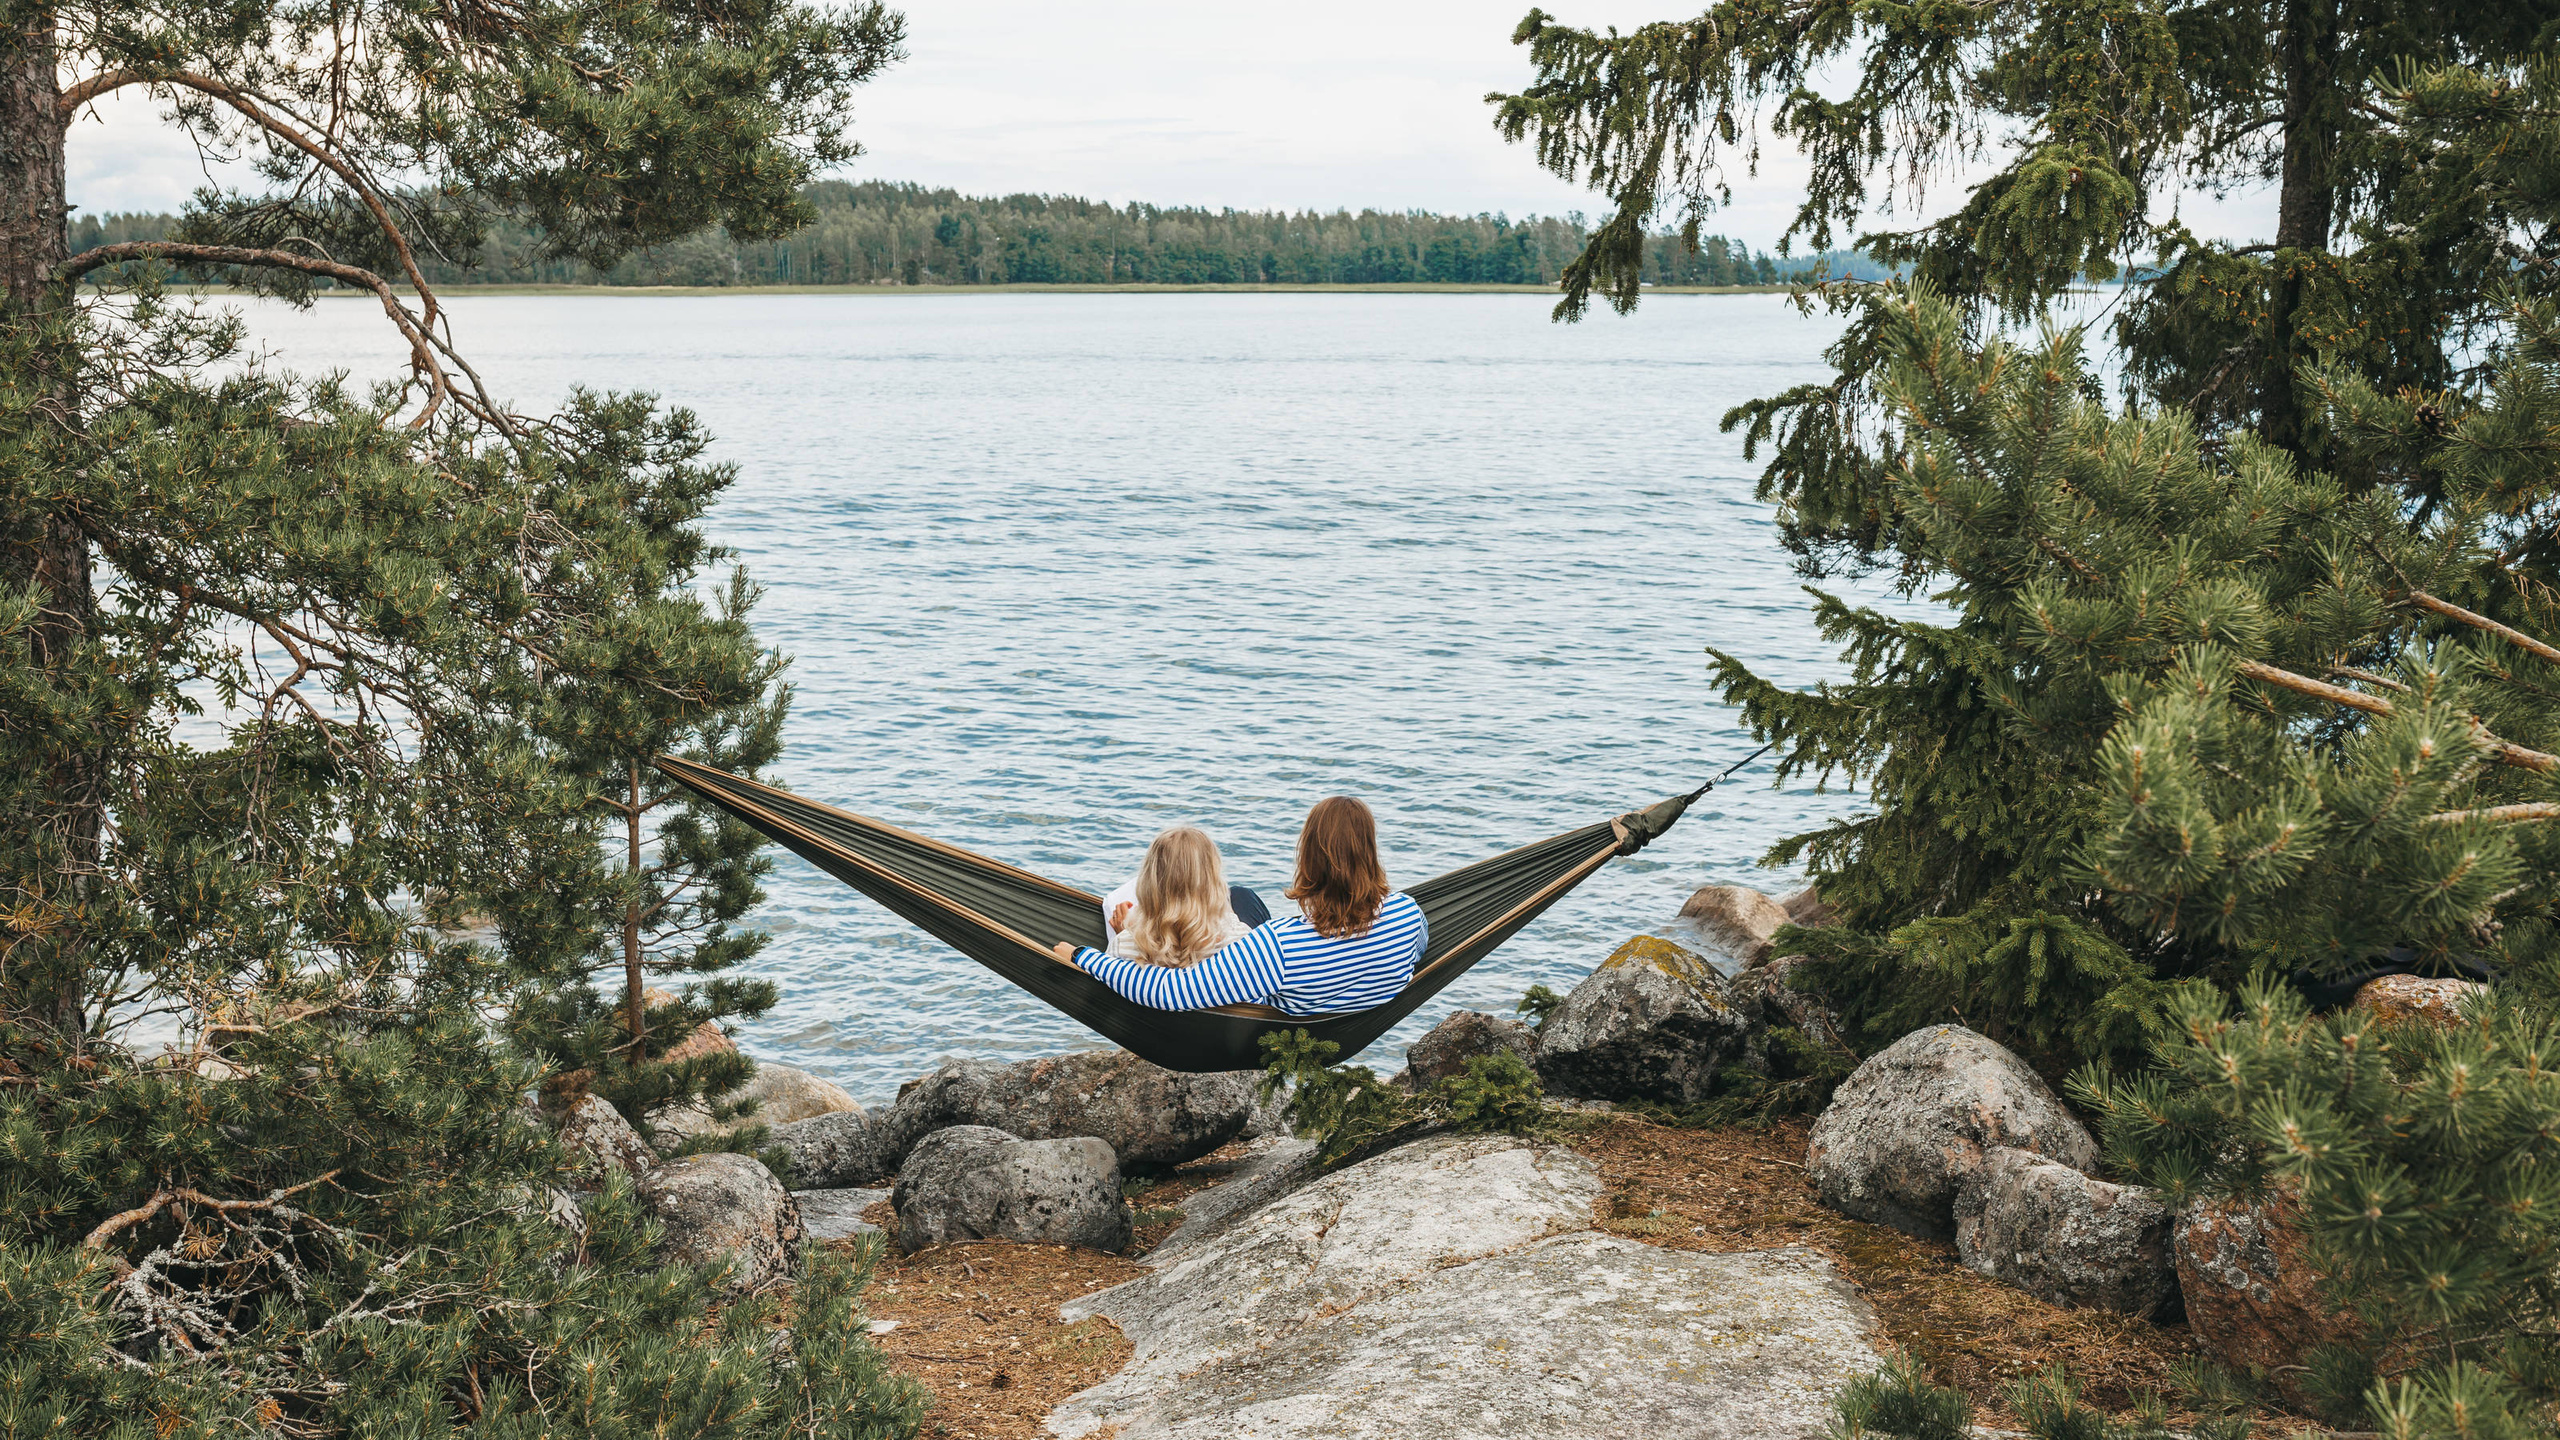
1340,881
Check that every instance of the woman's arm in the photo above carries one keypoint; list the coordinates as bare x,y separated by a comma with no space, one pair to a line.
1244,971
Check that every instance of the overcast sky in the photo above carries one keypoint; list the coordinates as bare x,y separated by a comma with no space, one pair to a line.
1320,104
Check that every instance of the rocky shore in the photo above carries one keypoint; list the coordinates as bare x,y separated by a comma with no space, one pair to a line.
1484,1285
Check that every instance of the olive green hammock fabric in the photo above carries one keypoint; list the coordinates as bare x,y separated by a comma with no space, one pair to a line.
1006,919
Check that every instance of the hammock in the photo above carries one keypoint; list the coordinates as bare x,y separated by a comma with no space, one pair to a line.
1006,919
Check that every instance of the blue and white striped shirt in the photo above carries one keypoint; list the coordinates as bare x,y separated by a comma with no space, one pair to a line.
1285,964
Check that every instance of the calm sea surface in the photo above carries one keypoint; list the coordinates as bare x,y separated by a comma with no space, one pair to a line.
1056,571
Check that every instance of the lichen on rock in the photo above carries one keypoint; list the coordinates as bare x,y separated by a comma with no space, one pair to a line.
1654,1022
2400,999
972,1182
1455,1288
725,1207
2252,1296
1443,1053
2066,1238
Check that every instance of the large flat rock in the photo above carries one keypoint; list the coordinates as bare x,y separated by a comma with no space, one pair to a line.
1455,1288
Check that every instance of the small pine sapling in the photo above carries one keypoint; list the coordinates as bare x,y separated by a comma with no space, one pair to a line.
652,668
1900,1402
1539,1004
1349,1112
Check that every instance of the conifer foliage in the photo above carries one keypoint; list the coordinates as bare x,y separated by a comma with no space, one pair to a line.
321,715
2424,1163
1350,1113
2246,673
2091,117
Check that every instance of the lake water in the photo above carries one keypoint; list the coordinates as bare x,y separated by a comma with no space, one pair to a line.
1056,571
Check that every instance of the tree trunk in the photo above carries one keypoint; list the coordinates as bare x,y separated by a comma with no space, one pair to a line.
633,981
2305,204
31,168
41,549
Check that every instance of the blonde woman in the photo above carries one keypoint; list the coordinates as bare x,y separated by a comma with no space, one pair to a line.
1180,906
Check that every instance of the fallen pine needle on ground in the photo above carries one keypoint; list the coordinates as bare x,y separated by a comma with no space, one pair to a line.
978,1323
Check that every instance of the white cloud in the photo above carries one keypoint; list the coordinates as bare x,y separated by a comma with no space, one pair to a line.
1322,104
124,156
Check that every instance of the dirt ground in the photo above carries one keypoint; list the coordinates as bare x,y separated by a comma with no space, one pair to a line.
1725,1190
978,1323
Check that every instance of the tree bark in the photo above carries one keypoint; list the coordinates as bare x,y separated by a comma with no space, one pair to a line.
633,980
31,167
2306,202
39,547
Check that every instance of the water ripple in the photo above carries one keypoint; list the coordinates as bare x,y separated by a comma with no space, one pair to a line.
1056,571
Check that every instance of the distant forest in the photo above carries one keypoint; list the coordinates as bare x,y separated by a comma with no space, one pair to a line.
880,233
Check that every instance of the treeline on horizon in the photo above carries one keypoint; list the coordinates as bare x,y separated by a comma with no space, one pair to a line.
888,233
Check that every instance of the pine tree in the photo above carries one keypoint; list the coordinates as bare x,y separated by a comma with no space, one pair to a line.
653,668
2094,117
350,1229
2422,1162
299,685
2165,653
2281,507
2236,715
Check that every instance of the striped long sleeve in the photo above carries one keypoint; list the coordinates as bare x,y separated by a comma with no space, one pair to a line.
1286,964
1244,971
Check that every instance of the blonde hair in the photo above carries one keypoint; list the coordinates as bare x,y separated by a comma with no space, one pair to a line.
1182,910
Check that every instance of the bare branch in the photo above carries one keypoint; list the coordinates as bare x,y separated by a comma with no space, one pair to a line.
2317,690
421,351
268,121
2504,752
2511,635
181,1195
81,92
2500,814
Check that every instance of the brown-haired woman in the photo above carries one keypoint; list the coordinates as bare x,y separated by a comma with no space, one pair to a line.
1352,948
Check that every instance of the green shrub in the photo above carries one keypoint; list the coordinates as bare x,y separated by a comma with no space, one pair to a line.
2426,1165
1348,1111
1802,1072
1497,1093
393,1249
1899,1402
1539,1004
2053,988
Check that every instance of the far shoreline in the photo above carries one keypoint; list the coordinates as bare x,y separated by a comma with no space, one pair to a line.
888,291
